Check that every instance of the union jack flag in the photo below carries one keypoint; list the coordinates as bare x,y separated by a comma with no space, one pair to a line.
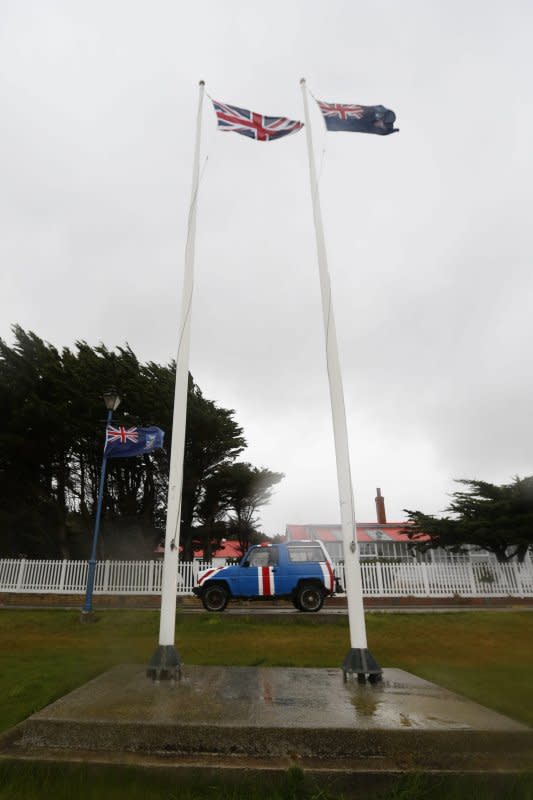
341,110
121,434
255,126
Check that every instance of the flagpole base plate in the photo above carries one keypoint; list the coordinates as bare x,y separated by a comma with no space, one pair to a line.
88,617
360,661
165,664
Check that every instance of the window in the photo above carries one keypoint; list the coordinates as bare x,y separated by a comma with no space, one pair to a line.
335,550
263,557
306,553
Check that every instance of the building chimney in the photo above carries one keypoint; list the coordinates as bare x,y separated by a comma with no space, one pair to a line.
380,508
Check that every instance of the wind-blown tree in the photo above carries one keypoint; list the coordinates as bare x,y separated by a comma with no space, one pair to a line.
496,518
135,487
35,435
51,441
231,497
250,488
212,510
213,440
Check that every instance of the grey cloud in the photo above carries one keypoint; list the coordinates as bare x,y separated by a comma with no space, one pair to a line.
428,233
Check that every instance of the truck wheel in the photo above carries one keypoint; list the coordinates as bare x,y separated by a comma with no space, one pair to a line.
215,598
310,597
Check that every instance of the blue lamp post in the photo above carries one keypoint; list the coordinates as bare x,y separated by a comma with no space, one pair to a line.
112,402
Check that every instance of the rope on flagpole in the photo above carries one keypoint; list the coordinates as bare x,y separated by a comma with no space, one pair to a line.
324,141
194,201
193,205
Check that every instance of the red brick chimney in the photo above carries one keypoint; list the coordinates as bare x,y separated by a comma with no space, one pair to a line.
380,508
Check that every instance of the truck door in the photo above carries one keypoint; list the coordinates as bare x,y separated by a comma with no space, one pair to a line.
307,560
257,575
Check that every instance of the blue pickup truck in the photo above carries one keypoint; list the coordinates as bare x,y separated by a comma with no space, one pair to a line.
300,571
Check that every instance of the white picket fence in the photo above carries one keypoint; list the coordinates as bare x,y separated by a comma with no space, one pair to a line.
379,579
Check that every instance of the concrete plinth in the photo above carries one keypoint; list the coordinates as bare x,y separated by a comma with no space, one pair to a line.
273,715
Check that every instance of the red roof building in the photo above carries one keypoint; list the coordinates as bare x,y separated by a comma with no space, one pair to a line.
379,539
228,549
375,540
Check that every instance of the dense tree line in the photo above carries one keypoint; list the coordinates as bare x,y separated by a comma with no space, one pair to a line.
495,518
52,422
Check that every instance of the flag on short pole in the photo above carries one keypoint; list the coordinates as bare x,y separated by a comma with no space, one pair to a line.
255,126
122,442
358,119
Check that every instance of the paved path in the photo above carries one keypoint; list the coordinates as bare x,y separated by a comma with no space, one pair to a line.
263,610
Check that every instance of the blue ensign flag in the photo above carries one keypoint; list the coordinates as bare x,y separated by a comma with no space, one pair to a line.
122,442
358,119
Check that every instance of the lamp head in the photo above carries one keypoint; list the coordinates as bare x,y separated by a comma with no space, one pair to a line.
111,399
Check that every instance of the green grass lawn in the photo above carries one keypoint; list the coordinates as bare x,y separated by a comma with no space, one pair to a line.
486,656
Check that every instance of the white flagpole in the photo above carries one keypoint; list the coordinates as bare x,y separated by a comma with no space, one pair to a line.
358,659
166,662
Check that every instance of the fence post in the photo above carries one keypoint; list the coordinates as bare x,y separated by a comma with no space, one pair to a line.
20,576
151,577
379,576
472,578
525,577
106,577
425,577
516,579
62,576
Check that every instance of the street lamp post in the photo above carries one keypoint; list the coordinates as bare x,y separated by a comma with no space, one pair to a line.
112,402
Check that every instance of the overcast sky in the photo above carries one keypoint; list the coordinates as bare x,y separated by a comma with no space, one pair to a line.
428,231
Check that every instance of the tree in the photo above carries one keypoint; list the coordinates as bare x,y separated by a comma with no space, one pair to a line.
212,510
35,429
213,440
250,488
495,518
51,437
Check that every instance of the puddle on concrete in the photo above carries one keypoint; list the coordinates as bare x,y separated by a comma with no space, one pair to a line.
366,703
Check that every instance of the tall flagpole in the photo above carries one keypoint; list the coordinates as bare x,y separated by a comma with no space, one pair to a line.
358,660
166,662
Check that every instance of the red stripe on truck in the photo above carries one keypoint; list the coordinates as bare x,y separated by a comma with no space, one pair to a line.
265,572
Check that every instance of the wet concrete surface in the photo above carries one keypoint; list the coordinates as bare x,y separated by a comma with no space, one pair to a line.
275,713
